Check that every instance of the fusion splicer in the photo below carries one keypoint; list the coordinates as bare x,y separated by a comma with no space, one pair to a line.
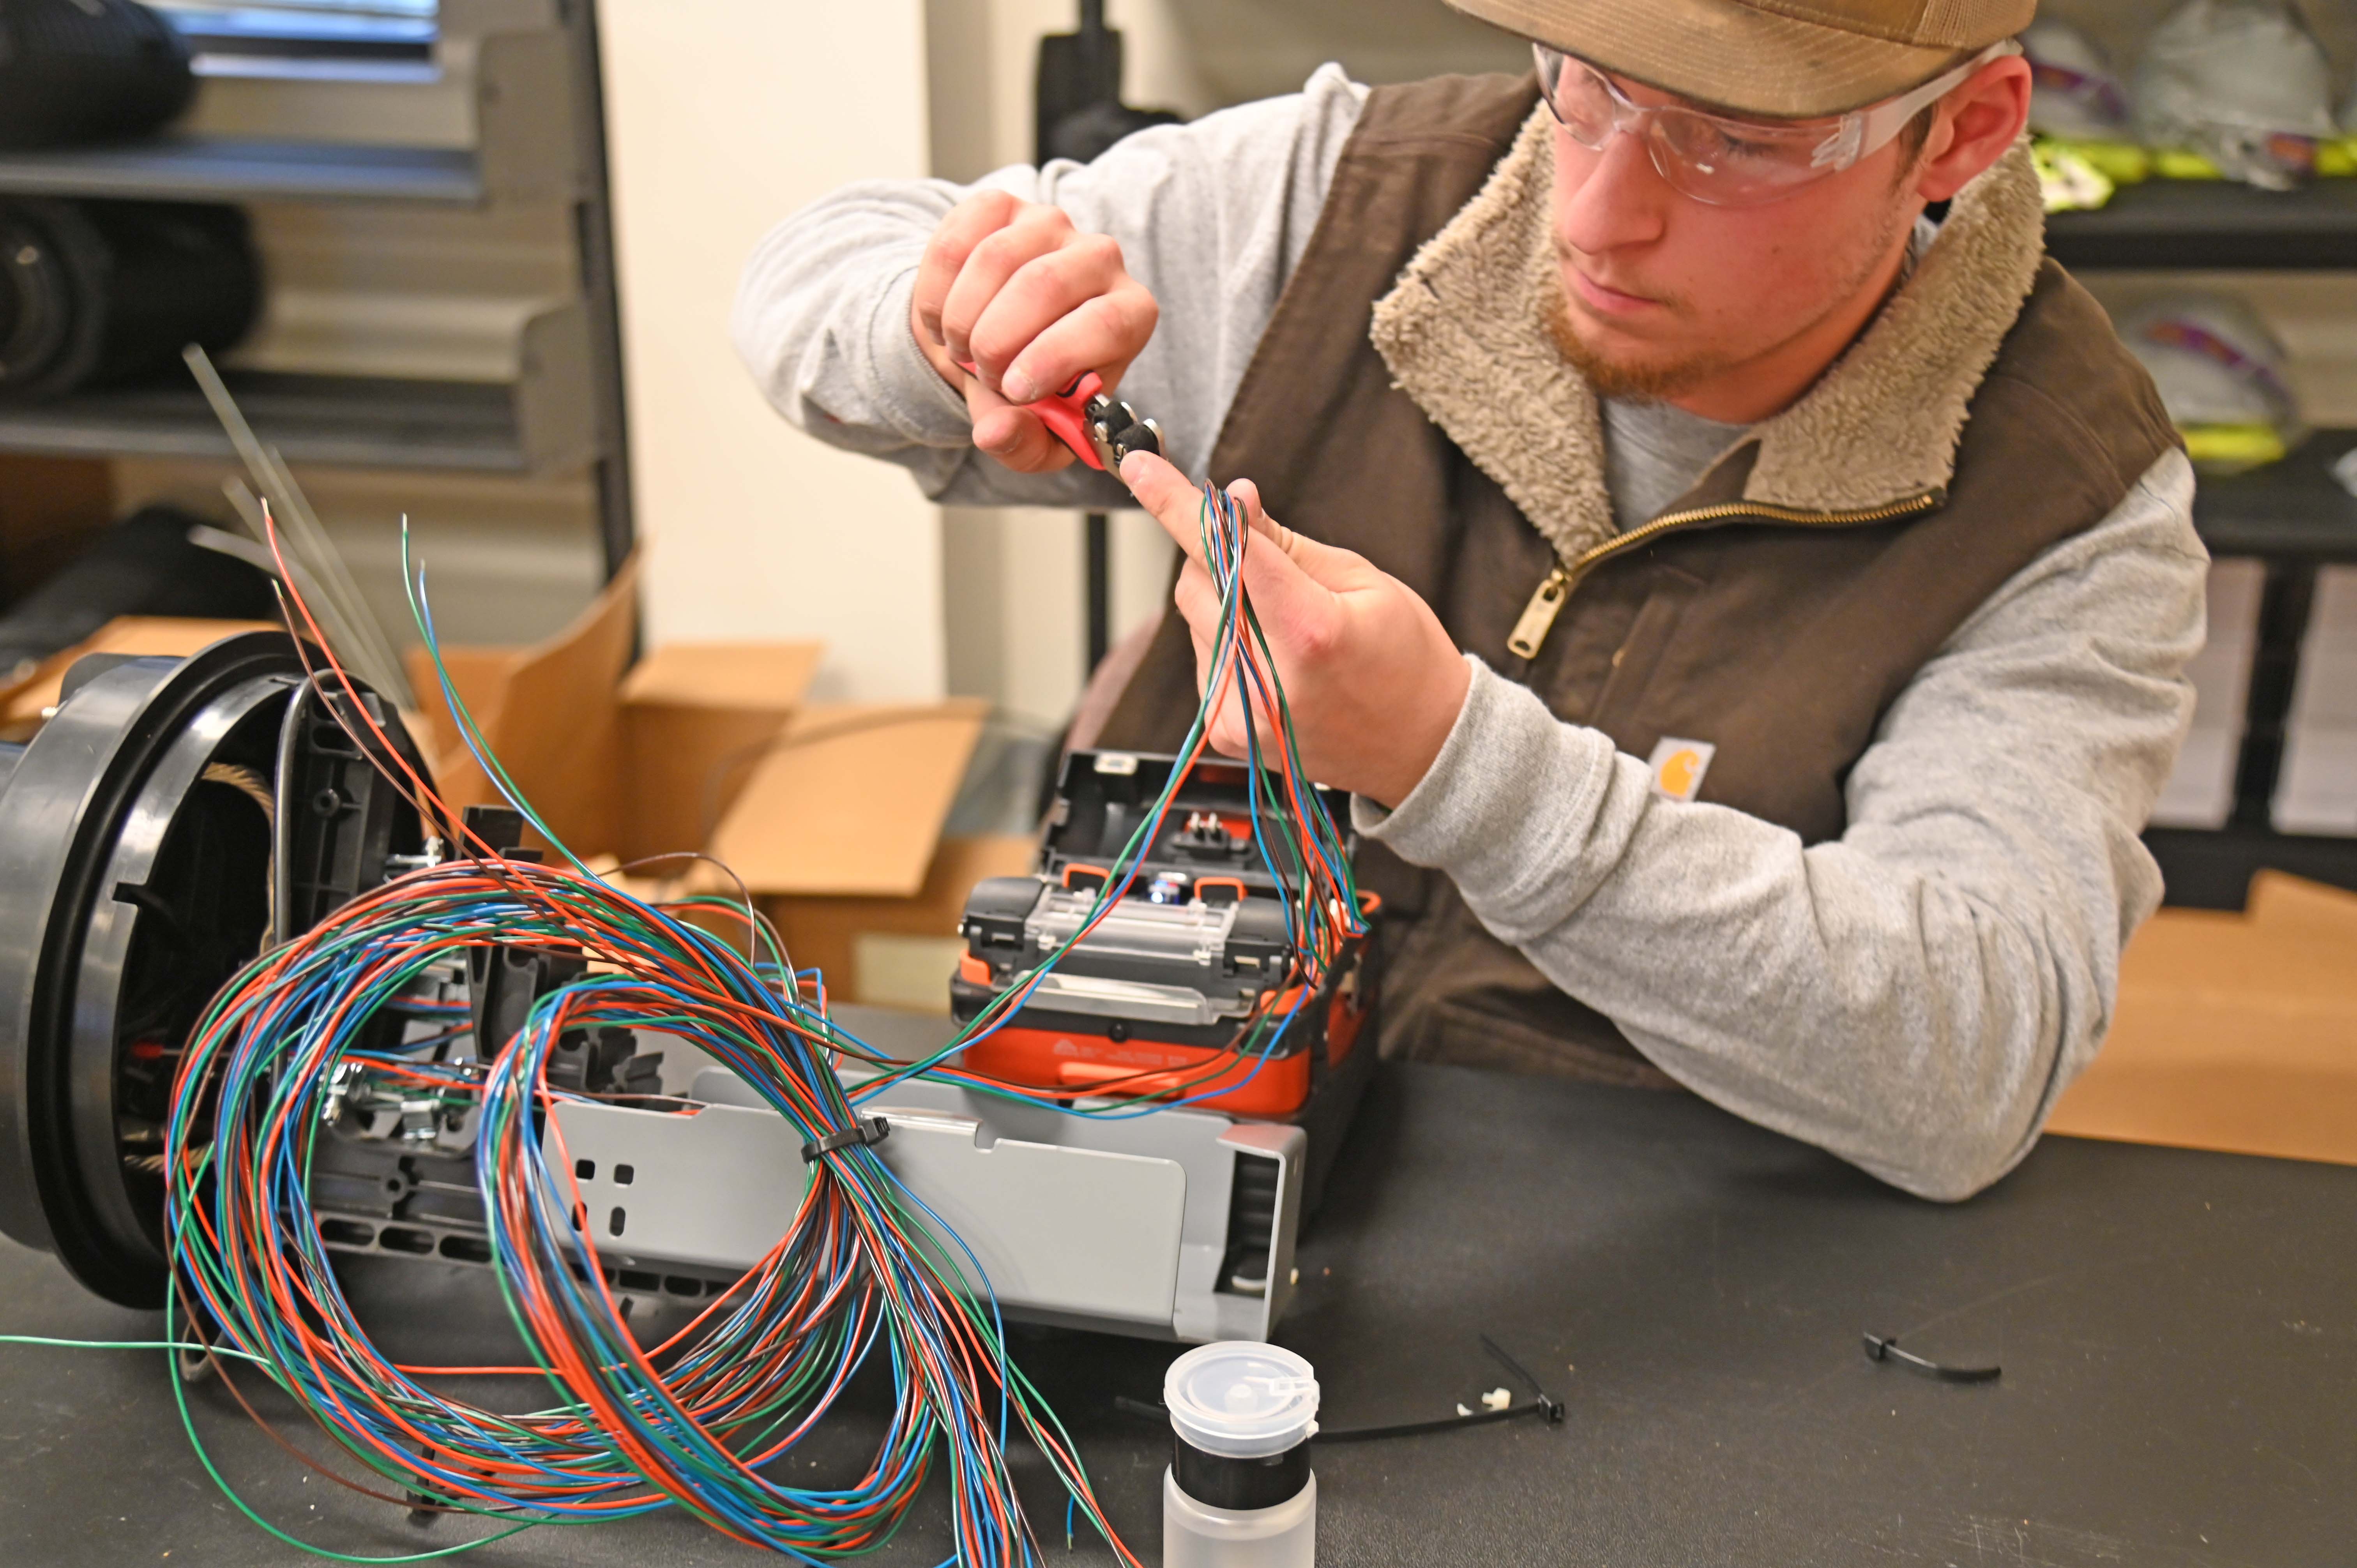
1158,996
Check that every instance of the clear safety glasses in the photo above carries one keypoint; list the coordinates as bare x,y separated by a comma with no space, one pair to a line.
1727,162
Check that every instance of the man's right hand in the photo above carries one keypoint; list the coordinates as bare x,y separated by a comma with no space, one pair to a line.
1012,289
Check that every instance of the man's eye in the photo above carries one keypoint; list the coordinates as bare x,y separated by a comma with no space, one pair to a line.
1721,145
1735,146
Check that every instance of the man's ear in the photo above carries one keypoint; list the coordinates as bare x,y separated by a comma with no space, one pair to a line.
1976,124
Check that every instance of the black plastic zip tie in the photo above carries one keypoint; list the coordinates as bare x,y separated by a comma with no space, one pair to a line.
1439,1423
1879,1349
1540,1404
1155,1411
1554,1407
863,1130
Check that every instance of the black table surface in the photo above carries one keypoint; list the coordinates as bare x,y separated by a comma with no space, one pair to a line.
2177,1333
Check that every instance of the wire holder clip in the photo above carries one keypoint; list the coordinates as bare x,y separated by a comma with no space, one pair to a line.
865,1131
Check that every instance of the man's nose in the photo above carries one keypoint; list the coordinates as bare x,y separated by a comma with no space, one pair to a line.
1620,200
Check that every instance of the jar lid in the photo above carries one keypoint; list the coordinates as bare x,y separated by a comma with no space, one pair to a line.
1242,1400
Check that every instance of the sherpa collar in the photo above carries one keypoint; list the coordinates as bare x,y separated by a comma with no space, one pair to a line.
1464,334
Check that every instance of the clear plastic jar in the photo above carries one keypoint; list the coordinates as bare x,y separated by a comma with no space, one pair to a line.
1195,1535
1239,1492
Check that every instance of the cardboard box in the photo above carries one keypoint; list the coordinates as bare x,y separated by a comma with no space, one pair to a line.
849,799
550,714
897,953
829,814
52,509
2233,1032
696,720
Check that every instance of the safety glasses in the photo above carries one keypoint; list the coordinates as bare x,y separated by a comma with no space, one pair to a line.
1727,162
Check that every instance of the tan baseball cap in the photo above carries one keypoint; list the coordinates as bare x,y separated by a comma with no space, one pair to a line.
1788,58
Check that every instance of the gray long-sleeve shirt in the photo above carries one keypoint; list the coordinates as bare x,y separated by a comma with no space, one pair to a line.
1912,997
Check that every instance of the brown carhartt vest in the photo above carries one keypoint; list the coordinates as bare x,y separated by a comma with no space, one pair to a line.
1778,633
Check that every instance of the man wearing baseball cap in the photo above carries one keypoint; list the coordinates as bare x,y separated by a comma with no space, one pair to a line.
1745,584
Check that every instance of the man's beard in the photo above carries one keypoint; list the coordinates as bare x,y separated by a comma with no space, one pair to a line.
1641,380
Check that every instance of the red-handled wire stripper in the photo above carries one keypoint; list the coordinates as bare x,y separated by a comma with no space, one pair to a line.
1100,428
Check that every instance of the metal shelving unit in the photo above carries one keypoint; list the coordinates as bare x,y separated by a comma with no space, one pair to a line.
2186,225
344,421
2294,516
236,169
2291,510
540,142
2211,868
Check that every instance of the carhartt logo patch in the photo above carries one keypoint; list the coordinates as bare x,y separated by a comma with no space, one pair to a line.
1678,767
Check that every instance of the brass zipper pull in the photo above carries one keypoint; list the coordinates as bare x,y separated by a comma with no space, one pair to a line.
1538,616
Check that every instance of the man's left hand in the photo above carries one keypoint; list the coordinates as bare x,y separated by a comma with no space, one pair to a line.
1373,681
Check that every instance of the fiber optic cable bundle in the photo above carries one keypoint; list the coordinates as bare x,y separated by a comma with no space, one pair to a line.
862,1272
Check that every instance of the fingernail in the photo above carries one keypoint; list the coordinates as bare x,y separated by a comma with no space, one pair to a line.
1018,388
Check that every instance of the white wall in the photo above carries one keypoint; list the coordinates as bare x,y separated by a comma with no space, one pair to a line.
722,117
